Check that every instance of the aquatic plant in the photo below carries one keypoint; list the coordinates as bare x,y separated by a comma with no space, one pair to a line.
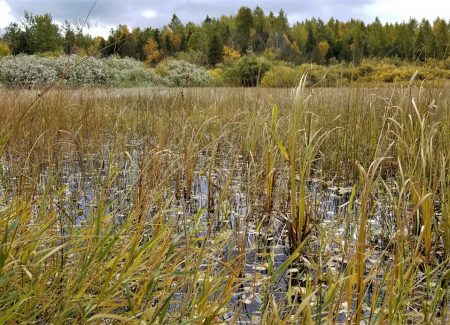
211,205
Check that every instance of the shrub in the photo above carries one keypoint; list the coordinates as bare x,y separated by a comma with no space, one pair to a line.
281,76
25,71
326,76
218,76
366,69
130,72
396,61
31,71
137,77
315,72
194,57
391,73
184,74
49,54
231,76
82,71
4,49
248,71
447,63
116,63
251,69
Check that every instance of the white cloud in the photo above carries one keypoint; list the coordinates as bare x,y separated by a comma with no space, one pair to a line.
403,10
99,30
6,15
149,13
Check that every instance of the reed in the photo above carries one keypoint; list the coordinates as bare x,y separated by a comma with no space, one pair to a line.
225,205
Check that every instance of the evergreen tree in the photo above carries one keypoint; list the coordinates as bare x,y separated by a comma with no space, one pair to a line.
280,24
244,23
175,23
260,31
42,34
441,31
198,41
215,50
403,44
36,35
179,38
15,38
424,43
310,44
69,38
247,31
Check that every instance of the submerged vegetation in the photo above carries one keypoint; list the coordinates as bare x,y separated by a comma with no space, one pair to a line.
209,205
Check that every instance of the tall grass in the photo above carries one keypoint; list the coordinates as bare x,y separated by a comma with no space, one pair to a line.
225,205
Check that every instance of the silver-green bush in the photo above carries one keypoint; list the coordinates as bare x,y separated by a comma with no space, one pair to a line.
31,71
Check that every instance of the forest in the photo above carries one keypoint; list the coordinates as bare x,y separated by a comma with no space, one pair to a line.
216,40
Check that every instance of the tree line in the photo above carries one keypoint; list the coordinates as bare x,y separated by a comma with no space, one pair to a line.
249,31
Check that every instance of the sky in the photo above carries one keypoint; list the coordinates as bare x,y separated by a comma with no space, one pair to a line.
107,14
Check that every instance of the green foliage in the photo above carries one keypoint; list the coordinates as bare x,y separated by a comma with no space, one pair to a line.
281,76
260,32
442,37
15,38
49,54
248,71
231,76
215,50
198,40
194,57
310,44
424,42
251,69
37,34
125,43
283,49
345,50
218,76
244,23
308,41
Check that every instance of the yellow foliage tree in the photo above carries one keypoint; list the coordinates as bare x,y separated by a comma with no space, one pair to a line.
323,48
171,42
4,49
123,31
94,49
230,55
152,52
